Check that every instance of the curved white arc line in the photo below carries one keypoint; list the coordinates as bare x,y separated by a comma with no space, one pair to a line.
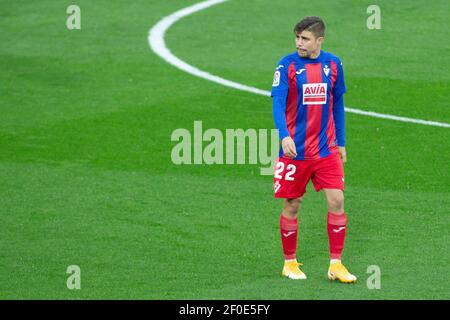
158,45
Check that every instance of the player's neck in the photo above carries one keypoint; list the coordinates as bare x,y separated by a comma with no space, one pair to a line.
315,54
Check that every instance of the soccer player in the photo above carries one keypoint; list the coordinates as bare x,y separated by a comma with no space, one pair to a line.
308,110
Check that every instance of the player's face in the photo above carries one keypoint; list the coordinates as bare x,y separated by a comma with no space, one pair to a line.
308,46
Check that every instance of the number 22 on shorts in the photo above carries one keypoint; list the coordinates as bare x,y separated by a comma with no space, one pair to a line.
290,170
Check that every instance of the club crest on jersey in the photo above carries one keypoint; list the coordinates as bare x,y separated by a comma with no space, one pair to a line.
314,93
326,70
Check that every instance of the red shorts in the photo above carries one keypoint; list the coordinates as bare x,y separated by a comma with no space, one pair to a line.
292,176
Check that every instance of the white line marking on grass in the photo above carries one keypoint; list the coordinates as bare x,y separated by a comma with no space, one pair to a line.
158,45
396,118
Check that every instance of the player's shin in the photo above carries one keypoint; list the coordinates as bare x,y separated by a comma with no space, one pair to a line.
337,225
289,235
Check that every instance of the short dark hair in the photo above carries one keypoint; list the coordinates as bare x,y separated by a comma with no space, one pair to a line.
313,24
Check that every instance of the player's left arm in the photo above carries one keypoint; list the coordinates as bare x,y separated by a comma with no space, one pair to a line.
339,112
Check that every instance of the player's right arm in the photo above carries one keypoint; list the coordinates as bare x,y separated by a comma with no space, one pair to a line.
280,89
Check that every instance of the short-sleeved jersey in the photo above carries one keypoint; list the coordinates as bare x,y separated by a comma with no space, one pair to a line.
309,87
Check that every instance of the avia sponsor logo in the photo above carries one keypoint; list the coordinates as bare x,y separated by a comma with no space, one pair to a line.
314,93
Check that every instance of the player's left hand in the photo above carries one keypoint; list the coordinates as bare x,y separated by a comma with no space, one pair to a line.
343,154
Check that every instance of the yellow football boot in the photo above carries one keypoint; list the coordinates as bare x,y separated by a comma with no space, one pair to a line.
292,271
337,271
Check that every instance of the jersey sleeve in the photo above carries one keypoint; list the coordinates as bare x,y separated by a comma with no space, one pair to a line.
279,115
338,105
339,87
279,94
339,119
280,80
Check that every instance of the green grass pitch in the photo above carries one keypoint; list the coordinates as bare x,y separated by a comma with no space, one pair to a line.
86,176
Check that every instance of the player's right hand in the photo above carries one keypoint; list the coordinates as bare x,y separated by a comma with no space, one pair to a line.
288,146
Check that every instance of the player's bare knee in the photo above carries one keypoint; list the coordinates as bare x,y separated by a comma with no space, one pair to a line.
336,202
291,206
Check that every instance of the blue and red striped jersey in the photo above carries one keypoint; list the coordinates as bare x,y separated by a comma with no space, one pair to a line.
308,104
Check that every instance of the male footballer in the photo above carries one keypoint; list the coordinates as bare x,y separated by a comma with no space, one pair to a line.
308,110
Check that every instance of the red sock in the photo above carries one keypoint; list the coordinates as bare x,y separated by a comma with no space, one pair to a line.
288,230
337,225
